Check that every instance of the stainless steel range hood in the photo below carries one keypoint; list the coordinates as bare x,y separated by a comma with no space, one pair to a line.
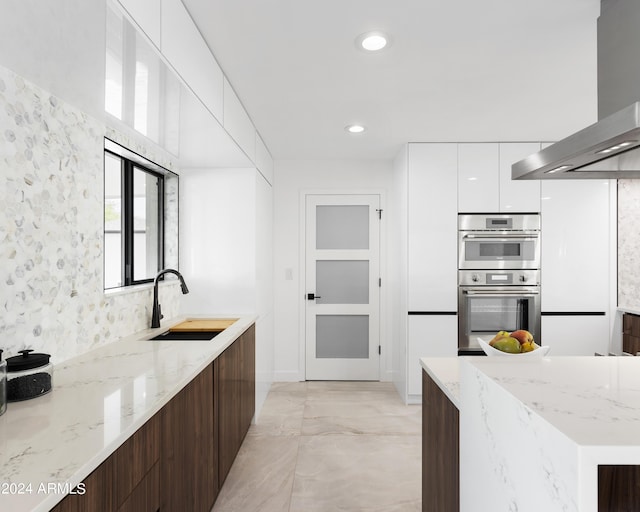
609,148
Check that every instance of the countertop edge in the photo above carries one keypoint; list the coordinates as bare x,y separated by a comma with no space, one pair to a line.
445,373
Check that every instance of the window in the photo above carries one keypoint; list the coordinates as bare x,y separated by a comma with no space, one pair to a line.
133,218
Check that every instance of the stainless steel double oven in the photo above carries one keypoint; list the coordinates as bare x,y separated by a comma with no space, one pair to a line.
498,277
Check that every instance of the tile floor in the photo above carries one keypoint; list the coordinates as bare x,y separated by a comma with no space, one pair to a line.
328,447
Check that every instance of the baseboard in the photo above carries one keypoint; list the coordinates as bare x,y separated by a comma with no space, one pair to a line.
414,400
286,376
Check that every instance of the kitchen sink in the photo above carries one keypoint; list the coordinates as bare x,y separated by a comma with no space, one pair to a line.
186,335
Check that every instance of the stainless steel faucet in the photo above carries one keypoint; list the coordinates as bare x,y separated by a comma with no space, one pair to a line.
156,313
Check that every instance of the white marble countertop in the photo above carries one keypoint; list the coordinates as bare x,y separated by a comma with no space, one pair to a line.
99,399
594,401
445,371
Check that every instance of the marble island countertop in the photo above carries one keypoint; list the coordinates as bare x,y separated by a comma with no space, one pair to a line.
554,419
99,399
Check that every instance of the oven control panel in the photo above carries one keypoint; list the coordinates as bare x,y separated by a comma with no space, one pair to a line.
499,277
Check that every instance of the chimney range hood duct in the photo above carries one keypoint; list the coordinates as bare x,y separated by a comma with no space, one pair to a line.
610,148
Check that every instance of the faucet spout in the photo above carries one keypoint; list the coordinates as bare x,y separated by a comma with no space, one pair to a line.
156,312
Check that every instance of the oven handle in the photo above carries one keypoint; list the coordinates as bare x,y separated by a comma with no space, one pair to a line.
501,237
478,293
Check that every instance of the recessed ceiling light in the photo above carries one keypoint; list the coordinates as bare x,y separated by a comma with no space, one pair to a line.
372,41
355,128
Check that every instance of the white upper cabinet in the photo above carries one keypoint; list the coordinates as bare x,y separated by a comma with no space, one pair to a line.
575,245
432,218
186,50
146,14
478,178
237,122
520,195
263,160
484,178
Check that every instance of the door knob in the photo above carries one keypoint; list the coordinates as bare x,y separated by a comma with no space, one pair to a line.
312,296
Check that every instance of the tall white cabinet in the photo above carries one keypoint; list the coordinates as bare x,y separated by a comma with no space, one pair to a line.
576,264
432,218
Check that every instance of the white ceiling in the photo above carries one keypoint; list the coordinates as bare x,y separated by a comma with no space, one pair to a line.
463,70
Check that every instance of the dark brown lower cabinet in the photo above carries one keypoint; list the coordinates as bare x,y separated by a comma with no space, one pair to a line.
188,469
178,460
440,450
631,333
618,488
234,372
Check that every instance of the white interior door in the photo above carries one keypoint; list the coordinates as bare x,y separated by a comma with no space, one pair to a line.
342,284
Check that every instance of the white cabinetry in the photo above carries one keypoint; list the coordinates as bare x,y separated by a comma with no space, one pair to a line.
478,178
264,161
432,336
576,233
432,218
432,228
237,122
575,245
582,335
484,178
517,195
146,14
184,48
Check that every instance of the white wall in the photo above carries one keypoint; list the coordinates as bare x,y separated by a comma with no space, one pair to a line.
292,179
226,253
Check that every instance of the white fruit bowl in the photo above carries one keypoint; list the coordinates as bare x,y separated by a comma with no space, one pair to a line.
490,351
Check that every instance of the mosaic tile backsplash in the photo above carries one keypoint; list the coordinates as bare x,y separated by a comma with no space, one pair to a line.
51,221
629,243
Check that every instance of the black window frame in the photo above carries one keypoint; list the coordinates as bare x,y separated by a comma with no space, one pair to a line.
129,163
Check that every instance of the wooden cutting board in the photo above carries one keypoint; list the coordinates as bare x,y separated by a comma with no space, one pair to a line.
203,324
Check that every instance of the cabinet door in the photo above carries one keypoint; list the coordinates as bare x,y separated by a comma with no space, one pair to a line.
188,53
146,14
228,391
575,242
478,178
247,379
429,336
188,458
237,122
235,398
432,227
521,196
575,335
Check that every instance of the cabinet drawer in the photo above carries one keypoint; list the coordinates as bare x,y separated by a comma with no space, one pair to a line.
630,344
631,324
134,459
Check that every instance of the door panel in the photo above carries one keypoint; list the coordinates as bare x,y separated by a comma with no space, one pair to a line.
342,283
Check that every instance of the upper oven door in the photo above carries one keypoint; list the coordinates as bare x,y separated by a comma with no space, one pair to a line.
498,250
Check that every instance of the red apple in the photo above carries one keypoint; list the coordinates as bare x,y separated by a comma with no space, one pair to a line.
522,336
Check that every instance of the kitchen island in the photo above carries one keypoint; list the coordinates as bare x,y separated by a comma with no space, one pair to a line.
126,394
554,433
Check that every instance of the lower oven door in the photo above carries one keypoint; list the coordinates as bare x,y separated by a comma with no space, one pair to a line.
483,311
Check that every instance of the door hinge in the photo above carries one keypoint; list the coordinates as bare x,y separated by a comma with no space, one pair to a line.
379,350
379,210
379,282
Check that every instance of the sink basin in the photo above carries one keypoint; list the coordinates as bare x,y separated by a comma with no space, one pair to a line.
186,335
